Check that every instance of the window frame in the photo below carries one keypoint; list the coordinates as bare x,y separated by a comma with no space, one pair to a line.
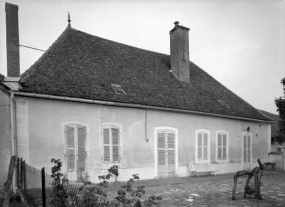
223,132
63,138
156,131
110,125
205,131
250,135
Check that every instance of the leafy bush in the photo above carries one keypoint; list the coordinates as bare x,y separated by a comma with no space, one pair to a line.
91,194
58,194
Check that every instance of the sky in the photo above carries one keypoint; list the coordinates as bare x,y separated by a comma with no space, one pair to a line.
241,43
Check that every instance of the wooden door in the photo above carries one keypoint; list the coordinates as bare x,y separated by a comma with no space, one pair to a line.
75,151
166,153
247,151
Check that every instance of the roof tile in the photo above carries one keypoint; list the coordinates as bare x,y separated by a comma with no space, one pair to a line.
84,66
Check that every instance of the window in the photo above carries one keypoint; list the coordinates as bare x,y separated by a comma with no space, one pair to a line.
202,146
222,146
165,151
111,144
75,147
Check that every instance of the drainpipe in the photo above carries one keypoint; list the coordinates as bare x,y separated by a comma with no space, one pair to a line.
145,126
14,135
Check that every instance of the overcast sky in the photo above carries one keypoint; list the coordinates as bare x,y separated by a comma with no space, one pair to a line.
238,42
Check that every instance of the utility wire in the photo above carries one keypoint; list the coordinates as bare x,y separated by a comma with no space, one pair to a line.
32,48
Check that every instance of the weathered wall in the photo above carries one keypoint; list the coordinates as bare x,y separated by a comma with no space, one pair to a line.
22,128
278,158
5,136
46,119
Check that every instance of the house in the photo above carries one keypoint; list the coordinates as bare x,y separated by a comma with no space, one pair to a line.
275,147
95,103
277,150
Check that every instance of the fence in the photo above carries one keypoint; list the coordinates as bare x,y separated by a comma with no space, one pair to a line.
39,184
35,186
28,180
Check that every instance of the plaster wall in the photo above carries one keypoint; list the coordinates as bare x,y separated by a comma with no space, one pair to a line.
22,128
5,136
46,119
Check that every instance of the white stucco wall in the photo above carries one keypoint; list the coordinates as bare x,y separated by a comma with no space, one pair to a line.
44,127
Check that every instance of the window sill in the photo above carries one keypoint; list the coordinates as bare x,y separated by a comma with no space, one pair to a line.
202,161
111,163
221,162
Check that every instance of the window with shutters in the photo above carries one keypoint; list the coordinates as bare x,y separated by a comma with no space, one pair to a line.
202,146
247,147
111,143
222,146
75,147
166,151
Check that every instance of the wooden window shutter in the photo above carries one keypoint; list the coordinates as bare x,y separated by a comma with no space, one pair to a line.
161,140
161,148
244,148
115,144
171,140
106,144
171,150
224,147
219,146
81,136
200,146
248,152
70,147
205,152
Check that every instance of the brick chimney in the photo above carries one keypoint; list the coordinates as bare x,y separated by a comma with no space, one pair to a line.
12,40
179,52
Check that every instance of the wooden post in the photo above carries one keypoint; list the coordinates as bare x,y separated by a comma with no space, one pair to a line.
25,179
7,185
21,179
23,191
43,187
17,173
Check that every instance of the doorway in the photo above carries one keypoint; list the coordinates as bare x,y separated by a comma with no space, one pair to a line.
166,153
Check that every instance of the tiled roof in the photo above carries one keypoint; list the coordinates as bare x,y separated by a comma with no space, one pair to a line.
274,126
84,66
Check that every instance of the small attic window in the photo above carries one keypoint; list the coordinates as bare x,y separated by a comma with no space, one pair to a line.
223,104
118,89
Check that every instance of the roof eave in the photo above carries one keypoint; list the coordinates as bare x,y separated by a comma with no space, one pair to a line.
119,104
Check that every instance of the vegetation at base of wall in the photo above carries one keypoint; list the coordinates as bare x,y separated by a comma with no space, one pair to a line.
91,194
280,103
59,194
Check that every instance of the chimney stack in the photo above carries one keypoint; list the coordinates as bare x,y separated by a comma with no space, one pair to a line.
12,40
179,52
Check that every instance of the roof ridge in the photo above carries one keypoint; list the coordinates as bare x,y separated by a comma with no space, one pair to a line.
120,43
31,70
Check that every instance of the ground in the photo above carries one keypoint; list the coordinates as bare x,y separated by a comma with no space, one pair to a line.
210,191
